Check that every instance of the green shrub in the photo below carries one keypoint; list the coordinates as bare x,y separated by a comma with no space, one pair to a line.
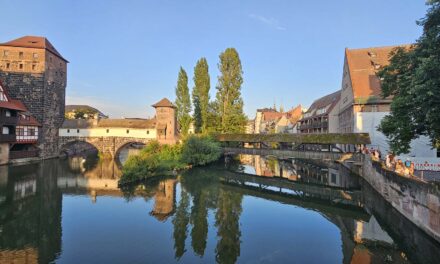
156,159
200,150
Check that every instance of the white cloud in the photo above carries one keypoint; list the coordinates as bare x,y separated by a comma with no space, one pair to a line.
270,21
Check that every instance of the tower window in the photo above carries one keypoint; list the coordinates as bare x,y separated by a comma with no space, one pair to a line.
20,54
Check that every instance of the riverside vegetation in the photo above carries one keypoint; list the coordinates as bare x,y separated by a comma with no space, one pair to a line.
156,159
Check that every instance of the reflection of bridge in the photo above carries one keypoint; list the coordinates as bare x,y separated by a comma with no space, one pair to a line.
300,190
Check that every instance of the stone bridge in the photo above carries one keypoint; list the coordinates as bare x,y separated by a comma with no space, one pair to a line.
108,146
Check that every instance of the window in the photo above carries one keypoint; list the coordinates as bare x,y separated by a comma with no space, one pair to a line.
34,67
21,66
5,53
68,130
35,55
8,65
77,131
50,58
20,54
333,178
31,131
108,130
20,131
7,113
373,108
345,100
5,131
128,131
148,132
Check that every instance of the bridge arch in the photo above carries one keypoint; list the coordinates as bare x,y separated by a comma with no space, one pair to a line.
78,145
119,146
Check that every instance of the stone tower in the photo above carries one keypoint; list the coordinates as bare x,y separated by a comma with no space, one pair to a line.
166,121
36,74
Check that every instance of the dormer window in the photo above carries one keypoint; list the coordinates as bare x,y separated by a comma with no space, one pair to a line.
3,95
372,54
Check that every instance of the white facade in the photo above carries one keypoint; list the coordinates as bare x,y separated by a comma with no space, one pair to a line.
27,134
108,132
369,121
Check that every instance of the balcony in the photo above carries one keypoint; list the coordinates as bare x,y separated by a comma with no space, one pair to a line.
22,154
7,138
9,120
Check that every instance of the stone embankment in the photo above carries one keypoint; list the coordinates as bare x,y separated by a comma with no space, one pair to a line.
417,200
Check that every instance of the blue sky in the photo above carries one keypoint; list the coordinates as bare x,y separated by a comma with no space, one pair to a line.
125,55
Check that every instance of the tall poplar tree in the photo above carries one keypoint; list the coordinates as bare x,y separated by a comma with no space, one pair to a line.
229,104
201,95
183,102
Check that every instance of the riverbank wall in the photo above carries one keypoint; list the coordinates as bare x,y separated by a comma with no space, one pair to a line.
415,199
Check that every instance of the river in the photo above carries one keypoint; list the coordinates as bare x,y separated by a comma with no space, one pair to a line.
247,209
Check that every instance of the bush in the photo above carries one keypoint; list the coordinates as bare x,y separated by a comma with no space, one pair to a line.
200,150
157,159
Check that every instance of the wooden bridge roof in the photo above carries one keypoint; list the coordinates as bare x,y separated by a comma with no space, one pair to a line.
329,138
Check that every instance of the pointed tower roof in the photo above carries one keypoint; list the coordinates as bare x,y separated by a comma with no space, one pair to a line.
34,42
164,103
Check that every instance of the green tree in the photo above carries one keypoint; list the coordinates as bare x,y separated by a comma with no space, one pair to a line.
201,95
183,102
413,81
229,104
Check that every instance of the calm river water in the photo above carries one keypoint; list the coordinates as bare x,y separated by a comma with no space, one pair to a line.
249,209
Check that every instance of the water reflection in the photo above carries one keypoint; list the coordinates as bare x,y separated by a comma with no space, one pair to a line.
204,215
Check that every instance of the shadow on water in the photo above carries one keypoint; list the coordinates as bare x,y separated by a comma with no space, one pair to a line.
249,209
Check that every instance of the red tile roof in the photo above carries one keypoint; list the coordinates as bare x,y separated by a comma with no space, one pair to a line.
164,103
34,42
329,101
28,120
10,103
363,65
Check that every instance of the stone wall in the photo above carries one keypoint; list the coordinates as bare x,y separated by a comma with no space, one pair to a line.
105,145
37,77
418,201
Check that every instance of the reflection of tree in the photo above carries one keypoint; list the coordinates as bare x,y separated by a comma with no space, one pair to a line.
199,220
228,228
180,222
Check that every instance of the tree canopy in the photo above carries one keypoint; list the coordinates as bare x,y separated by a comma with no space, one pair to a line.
412,78
183,102
200,95
229,104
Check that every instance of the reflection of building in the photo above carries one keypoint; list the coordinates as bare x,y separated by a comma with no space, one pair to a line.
30,216
165,199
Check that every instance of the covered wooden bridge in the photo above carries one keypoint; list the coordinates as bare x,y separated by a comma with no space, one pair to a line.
308,146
